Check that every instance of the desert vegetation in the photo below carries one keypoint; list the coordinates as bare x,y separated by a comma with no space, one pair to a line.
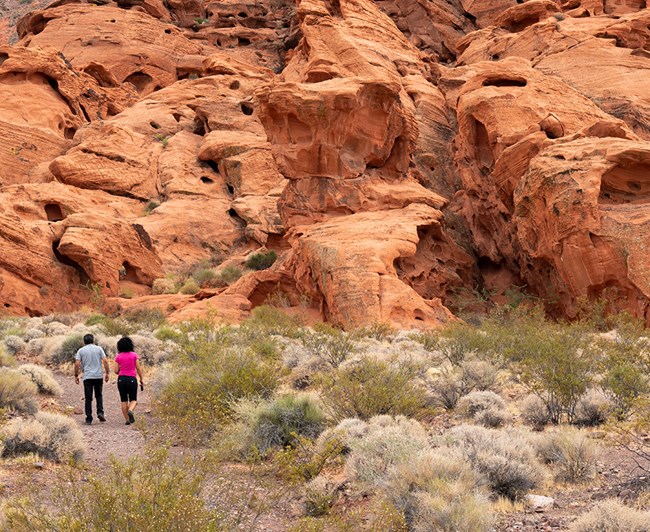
455,429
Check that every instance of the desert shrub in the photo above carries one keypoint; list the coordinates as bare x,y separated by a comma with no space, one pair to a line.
41,377
189,287
306,459
319,496
32,334
569,451
151,492
164,285
203,276
229,274
67,350
378,331
369,387
624,382
165,333
612,516
504,458
437,490
144,318
261,261
52,436
14,344
558,368
17,392
592,409
453,383
265,321
6,360
534,412
383,443
200,397
329,344
485,407
278,423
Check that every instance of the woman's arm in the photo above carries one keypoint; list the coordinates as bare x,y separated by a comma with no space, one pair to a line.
138,368
116,367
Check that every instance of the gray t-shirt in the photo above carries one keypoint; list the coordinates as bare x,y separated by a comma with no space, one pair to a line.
91,357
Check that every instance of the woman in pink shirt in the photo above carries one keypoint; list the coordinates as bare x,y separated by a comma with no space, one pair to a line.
127,366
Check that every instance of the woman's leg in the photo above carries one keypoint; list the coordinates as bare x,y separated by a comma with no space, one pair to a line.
125,410
132,405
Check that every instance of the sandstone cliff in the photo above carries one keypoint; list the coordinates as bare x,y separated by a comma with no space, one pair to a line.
396,155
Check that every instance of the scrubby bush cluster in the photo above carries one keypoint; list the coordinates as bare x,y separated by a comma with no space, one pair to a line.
41,377
52,436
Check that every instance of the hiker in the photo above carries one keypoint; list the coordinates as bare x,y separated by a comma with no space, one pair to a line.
126,367
89,361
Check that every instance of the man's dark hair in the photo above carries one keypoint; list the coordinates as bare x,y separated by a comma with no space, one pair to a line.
124,345
88,339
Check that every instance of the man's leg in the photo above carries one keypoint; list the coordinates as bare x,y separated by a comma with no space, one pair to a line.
88,396
99,384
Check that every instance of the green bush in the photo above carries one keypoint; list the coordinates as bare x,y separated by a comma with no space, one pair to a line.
624,382
6,360
52,436
229,274
266,321
68,349
278,423
201,395
261,261
17,392
329,344
42,378
189,288
370,387
145,493
204,276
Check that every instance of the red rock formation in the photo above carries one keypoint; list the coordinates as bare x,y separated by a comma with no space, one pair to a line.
393,153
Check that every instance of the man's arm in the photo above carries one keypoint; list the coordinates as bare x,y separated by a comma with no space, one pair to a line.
106,368
77,370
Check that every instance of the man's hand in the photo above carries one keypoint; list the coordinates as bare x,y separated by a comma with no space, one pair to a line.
106,378
76,379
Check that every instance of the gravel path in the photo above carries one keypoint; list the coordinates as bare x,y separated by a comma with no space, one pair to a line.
112,437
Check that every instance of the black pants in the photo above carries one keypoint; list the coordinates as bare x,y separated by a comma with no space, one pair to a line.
89,386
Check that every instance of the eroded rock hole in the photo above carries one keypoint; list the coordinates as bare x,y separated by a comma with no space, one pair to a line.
199,127
231,189
177,116
206,180
235,85
505,82
3,57
247,108
626,183
54,212
69,132
129,273
214,166
154,125
484,156
243,41
242,15
139,80
519,25
52,83
168,31
84,279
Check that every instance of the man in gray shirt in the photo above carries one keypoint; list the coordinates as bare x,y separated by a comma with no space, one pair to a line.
89,361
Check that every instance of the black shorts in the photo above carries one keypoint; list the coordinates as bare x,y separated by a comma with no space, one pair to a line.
128,388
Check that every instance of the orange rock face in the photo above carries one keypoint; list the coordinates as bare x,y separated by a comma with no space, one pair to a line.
393,154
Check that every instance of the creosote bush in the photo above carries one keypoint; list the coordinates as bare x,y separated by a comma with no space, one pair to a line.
485,408
368,387
229,274
52,436
41,377
17,392
151,493
164,285
331,345
612,516
190,287
534,412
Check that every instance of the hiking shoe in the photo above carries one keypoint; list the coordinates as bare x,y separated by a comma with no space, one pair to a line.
89,422
127,423
101,417
131,417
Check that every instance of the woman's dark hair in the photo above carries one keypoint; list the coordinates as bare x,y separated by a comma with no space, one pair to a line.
124,345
